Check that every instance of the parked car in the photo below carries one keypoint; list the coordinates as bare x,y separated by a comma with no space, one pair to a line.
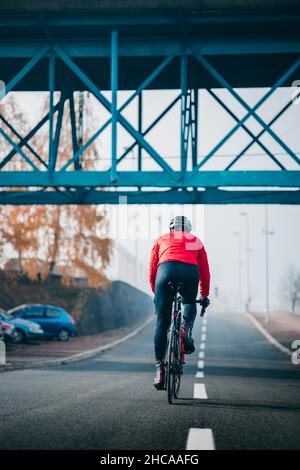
56,322
8,331
24,329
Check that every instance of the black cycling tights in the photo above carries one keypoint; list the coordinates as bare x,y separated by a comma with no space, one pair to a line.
188,275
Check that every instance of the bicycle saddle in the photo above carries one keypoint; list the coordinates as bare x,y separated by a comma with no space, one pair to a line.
175,286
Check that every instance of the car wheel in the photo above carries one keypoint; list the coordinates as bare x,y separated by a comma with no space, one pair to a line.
19,337
63,335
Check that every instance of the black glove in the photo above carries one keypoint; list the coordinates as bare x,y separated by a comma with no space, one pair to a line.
204,302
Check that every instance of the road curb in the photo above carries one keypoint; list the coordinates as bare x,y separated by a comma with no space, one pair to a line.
79,356
268,335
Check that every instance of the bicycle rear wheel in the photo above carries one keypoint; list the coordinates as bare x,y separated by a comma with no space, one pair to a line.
173,366
177,364
170,367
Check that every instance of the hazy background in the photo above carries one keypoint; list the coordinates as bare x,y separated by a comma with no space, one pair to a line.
214,224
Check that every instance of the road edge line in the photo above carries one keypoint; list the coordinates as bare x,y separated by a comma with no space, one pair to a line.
79,356
268,335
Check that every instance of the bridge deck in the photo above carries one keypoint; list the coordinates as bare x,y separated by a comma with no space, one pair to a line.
249,46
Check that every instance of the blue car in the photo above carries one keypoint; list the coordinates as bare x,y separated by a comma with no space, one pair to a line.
55,321
24,330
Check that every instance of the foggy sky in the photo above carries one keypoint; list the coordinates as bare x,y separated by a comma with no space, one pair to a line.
215,224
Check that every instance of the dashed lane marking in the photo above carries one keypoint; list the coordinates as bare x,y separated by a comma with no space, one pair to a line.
200,364
200,392
200,439
199,375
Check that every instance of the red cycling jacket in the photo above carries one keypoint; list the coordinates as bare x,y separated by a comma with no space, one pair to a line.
184,247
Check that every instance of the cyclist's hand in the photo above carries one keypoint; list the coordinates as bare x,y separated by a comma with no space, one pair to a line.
204,302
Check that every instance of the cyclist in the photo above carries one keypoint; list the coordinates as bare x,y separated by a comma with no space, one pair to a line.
178,256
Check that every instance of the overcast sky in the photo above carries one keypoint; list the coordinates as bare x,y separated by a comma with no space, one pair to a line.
214,224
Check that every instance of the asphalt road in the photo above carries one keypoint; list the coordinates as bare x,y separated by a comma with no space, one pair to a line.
250,397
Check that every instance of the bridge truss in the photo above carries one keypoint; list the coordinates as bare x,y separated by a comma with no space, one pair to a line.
123,52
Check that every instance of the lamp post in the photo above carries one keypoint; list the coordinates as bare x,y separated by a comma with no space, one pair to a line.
246,215
267,232
136,247
159,224
238,235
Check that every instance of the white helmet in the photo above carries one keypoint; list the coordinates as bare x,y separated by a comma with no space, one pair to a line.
180,223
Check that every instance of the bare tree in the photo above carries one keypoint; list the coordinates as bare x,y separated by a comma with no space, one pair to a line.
291,287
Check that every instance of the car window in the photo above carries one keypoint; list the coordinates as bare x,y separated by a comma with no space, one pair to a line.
5,317
34,312
53,313
16,311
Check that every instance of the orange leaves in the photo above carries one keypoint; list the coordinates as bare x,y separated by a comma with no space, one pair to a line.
85,245
65,240
19,230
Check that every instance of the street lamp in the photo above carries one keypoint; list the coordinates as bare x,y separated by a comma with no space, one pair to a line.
267,232
159,224
245,214
237,234
136,247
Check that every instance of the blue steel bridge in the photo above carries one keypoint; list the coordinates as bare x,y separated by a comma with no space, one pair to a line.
71,46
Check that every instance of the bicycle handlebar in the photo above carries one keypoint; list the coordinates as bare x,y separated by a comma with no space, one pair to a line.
202,312
176,287
203,309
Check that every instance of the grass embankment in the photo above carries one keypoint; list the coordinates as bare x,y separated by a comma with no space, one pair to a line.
16,290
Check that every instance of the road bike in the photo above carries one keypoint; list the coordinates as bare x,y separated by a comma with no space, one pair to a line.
174,358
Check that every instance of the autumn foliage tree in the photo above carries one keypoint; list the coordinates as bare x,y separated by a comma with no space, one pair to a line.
77,244
69,239
19,226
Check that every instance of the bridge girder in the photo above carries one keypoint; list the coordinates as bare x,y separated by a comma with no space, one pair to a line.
173,196
186,62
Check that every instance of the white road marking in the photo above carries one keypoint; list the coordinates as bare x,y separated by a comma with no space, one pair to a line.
200,391
267,335
202,345
199,375
204,321
200,364
204,328
200,439
201,355
203,337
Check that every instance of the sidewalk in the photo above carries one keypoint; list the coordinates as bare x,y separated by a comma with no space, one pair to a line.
283,326
45,350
